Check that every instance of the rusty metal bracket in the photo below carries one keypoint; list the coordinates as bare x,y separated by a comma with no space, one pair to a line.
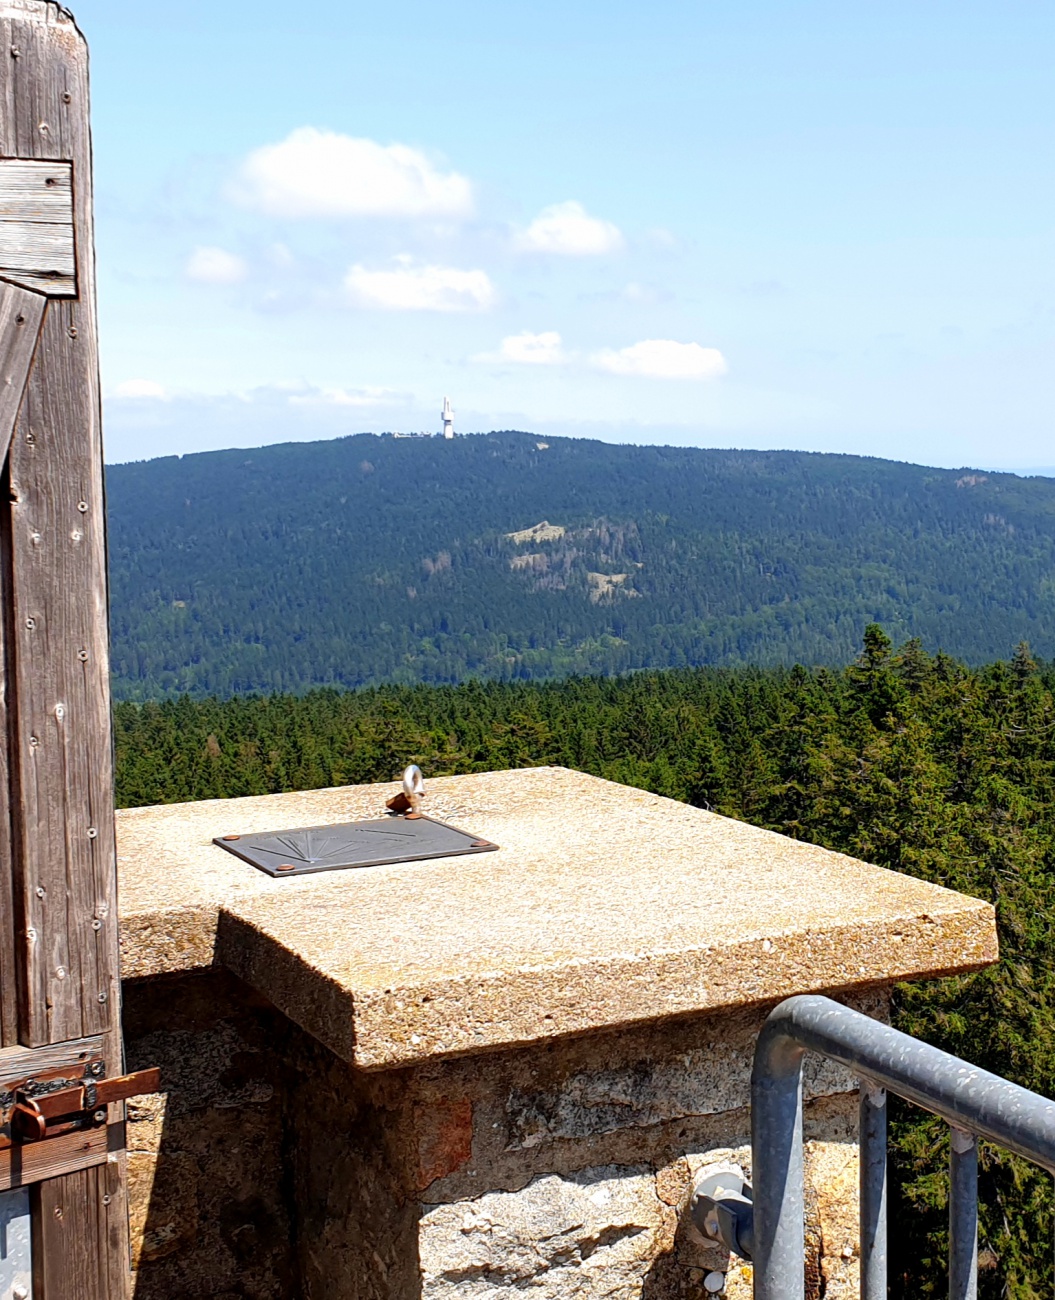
42,1109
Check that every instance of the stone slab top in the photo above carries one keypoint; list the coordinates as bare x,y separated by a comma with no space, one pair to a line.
604,906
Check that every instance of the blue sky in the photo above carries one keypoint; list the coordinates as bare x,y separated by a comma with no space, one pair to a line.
822,226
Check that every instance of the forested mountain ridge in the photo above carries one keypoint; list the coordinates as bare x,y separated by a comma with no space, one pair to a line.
371,559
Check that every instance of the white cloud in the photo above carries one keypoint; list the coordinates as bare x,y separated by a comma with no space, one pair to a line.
281,411
529,349
211,265
133,388
324,174
568,229
663,359
409,287
344,397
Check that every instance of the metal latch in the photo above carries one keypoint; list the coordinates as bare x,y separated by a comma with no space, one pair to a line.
44,1108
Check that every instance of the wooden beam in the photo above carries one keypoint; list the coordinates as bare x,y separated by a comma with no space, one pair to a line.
61,750
55,654
58,671
12,971
21,314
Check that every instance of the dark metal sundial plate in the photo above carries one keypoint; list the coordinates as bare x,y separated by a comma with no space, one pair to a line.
352,844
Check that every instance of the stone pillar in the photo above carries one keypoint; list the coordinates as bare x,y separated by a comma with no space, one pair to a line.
450,1079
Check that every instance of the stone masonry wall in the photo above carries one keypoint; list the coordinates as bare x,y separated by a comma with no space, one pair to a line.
271,1170
567,1169
209,1199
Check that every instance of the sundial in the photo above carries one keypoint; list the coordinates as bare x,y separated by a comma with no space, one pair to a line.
352,844
406,835
399,837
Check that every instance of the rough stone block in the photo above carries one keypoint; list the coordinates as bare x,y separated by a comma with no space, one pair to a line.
596,1233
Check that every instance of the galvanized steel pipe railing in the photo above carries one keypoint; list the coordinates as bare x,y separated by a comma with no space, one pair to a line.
974,1103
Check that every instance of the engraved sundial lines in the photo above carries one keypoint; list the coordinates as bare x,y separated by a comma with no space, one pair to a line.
355,844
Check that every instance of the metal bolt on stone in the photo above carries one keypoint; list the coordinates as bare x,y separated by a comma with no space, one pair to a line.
414,789
722,1210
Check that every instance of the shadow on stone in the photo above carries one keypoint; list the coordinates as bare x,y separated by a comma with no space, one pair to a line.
208,1212
265,1170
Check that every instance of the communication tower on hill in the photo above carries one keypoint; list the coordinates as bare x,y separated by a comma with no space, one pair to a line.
447,415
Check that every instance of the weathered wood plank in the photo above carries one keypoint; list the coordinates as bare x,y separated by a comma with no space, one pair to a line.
64,788
35,1161
80,1231
78,1245
37,191
112,1191
18,1062
36,226
37,258
11,963
64,1262
21,314
51,284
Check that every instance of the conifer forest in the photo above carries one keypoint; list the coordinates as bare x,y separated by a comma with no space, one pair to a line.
907,758
373,559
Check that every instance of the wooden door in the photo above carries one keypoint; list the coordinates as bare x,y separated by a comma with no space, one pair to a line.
59,988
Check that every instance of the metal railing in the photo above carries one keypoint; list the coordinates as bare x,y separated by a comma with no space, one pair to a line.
973,1102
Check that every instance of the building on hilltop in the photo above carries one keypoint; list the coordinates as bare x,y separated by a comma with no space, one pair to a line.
447,416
